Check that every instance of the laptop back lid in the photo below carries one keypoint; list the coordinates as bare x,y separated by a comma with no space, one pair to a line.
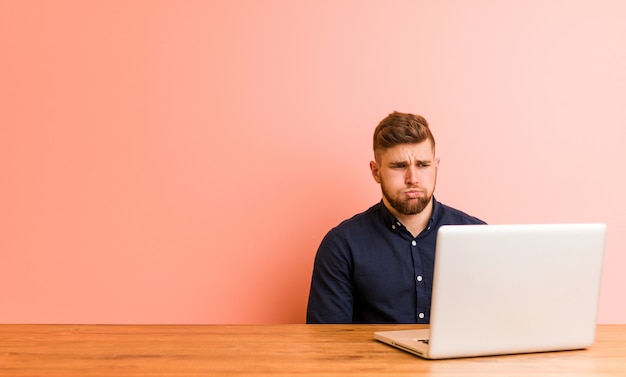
501,289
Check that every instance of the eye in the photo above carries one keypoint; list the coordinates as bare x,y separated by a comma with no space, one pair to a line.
398,165
423,164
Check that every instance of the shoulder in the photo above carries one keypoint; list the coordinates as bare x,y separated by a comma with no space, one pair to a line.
355,228
450,215
360,220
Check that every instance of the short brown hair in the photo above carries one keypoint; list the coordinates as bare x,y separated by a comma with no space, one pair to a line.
401,128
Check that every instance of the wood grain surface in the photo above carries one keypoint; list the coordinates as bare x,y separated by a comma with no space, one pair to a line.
270,350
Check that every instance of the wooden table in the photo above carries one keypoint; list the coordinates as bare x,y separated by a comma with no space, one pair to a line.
269,350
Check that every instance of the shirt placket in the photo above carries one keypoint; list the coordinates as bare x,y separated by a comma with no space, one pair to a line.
420,290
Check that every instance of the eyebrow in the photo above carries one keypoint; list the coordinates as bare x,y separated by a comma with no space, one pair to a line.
406,162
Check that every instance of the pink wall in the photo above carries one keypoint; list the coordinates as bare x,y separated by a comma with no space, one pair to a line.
179,161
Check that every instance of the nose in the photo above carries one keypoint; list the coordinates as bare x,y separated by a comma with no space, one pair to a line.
411,176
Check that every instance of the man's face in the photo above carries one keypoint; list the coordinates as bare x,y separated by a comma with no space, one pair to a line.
407,174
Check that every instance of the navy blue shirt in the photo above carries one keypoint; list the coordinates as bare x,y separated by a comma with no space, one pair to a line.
370,269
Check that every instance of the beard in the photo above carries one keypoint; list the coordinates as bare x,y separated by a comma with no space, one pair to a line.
407,206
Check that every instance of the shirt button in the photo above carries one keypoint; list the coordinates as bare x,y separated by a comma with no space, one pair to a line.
393,227
421,315
419,277
413,243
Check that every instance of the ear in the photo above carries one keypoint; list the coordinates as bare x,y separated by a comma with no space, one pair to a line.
375,171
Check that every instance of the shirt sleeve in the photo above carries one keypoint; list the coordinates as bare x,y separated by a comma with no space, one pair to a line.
331,294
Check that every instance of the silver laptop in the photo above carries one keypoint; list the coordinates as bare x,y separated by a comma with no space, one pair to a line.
504,289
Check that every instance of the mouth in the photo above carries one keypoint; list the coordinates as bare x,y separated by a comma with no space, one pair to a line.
413,193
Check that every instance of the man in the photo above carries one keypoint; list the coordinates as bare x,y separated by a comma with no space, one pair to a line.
377,267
